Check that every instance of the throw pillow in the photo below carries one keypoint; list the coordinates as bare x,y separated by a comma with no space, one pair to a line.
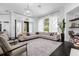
37,32
51,34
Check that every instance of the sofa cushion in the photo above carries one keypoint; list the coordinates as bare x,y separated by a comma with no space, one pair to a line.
48,37
28,34
20,38
20,50
33,33
19,35
44,33
5,36
26,38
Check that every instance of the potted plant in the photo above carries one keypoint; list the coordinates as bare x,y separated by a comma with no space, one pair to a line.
62,27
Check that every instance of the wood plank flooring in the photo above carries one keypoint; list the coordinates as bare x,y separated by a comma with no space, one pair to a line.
63,50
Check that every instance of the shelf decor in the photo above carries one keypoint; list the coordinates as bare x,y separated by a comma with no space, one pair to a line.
74,24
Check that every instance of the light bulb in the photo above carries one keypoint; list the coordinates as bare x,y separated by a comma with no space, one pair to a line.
27,11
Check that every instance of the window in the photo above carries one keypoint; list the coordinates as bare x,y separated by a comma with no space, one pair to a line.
41,25
46,25
18,27
53,24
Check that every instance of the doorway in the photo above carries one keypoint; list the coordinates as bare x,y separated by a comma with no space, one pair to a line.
26,26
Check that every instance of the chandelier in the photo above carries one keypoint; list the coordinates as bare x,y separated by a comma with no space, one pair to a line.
28,11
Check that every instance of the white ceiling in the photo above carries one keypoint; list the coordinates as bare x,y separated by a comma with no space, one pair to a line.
75,11
37,11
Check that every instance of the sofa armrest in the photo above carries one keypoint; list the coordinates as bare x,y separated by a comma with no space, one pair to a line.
14,48
1,51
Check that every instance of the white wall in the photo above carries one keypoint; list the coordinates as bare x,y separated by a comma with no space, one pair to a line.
6,26
68,17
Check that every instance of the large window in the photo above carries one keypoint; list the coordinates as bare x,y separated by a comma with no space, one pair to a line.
41,25
18,27
46,25
53,24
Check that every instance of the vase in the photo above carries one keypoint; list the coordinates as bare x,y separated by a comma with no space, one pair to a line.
62,37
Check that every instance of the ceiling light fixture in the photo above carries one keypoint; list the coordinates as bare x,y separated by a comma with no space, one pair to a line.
28,10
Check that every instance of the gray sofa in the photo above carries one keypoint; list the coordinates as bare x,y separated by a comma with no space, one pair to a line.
44,35
20,48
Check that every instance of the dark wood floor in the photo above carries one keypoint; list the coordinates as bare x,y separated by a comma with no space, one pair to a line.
63,50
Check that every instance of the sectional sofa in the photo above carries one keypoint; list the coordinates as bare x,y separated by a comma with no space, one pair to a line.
45,35
23,38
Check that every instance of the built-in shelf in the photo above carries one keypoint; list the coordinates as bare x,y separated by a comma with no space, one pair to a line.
6,21
74,19
73,27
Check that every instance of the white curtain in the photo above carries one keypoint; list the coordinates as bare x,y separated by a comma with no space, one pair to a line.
53,24
41,25
18,27
30,26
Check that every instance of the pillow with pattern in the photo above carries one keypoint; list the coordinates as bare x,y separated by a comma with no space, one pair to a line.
51,34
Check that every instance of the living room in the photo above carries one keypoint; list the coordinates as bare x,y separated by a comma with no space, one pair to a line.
23,26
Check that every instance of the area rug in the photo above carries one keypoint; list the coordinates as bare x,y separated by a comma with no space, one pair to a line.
42,47
74,52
